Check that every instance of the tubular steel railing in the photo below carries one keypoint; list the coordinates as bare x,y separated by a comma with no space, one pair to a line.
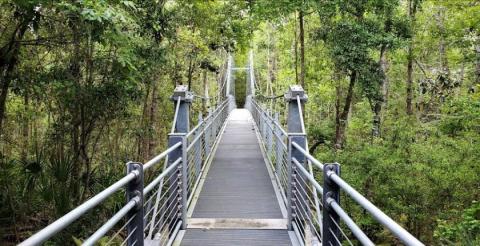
200,143
132,212
314,221
157,211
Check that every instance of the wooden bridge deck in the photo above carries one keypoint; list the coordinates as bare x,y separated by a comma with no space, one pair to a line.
237,203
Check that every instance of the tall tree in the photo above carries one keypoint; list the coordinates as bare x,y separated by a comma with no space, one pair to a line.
23,14
413,6
301,28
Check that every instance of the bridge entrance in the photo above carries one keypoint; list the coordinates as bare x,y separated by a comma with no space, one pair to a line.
236,202
238,177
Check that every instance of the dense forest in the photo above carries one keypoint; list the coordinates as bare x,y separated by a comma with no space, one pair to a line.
393,89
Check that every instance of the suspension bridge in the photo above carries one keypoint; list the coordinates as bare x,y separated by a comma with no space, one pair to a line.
238,177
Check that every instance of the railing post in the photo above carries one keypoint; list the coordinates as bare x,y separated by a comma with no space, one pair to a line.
278,146
208,132
178,179
135,192
263,123
269,135
331,192
198,146
293,186
295,135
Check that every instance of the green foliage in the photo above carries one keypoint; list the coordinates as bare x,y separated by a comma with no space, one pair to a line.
463,116
88,90
424,168
90,80
464,232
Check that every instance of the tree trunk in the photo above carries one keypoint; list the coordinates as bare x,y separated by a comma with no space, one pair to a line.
153,114
477,66
25,126
302,49
273,60
87,125
379,105
272,64
75,75
4,92
191,68
8,60
442,47
342,118
142,138
295,51
412,9
338,96
205,93
410,79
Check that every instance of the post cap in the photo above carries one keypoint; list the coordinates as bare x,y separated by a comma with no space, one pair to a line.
182,92
294,91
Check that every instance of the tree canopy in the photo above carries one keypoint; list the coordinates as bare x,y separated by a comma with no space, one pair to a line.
393,90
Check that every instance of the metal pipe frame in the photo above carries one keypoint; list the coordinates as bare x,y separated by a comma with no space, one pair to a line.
159,157
356,231
269,126
111,222
308,156
379,216
310,177
72,216
159,178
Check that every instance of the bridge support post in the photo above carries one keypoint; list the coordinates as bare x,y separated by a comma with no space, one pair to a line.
135,192
183,97
331,192
295,98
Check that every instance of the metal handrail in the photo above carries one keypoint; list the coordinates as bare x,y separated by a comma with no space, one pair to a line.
356,231
159,178
273,127
161,156
300,216
214,113
76,213
310,177
210,122
112,222
308,156
380,216
377,214
284,132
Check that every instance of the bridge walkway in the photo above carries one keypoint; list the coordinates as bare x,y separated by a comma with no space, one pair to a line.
237,203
